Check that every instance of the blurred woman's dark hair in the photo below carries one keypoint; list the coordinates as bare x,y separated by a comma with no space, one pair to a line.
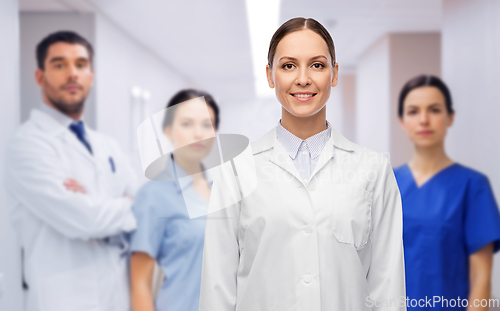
296,24
185,95
425,80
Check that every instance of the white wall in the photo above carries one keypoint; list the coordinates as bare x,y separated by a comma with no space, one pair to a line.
381,73
373,98
250,118
471,67
347,82
335,106
33,28
11,298
120,63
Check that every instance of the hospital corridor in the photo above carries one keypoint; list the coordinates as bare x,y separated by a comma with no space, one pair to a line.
221,155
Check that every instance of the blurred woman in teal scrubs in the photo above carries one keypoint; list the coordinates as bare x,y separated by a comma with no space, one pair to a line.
165,233
451,221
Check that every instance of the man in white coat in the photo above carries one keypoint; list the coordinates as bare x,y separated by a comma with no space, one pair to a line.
69,191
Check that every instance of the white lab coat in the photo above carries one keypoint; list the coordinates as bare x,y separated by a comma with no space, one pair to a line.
331,243
67,263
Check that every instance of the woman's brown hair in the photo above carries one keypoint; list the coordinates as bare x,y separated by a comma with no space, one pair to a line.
296,24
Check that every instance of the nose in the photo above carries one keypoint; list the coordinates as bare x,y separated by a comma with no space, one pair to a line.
303,78
424,117
72,72
198,132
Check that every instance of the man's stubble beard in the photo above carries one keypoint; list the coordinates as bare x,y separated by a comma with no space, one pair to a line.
61,105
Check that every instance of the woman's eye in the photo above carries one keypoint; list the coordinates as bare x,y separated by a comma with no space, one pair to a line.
411,112
287,66
208,125
185,124
318,65
436,110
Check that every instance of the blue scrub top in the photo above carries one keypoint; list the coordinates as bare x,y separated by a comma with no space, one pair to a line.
448,218
166,233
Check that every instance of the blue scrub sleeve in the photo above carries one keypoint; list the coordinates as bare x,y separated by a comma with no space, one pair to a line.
482,219
148,236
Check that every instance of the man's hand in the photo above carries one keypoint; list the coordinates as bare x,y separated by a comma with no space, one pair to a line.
73,185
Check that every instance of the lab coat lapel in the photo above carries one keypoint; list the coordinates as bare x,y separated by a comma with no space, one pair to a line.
280,157
325,156
336,141
54,128
73,141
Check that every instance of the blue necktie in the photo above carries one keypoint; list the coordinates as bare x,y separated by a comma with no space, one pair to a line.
79,130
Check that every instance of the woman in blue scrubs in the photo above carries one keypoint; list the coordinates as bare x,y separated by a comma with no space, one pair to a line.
165,233
451,222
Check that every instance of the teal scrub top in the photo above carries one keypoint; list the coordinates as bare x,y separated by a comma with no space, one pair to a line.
166,232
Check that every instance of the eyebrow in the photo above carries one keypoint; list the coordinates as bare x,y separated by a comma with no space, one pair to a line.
60,58
431,105
312,58
185,118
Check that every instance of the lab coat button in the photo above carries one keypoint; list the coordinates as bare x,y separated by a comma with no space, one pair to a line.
304,144
307,278
308,230
304,152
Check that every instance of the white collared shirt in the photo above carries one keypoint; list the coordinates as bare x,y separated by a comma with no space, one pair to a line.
334,243
303,152
60,117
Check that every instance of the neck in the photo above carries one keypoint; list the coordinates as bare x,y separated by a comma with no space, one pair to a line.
191,167
430,158
304,127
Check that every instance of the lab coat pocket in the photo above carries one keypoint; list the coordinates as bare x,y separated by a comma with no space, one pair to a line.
351,215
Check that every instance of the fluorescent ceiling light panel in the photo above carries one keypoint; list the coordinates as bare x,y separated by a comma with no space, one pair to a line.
263,20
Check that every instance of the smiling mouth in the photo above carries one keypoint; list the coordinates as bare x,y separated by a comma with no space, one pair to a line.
303,95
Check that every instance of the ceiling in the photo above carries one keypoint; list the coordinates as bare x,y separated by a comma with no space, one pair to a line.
55,6
208,41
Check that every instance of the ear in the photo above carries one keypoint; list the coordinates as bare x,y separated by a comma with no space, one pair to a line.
39,77
451,119
335,77
401,123
269,76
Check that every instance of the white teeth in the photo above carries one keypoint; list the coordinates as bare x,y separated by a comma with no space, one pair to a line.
303,95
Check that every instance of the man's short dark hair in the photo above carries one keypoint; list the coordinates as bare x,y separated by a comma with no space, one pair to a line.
60,36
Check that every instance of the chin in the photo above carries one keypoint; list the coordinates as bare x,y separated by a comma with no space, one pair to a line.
426,143
303,112
74,100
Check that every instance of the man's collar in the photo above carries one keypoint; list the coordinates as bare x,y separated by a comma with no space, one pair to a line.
60,117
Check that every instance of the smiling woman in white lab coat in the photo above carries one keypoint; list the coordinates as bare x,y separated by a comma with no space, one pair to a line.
322,230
